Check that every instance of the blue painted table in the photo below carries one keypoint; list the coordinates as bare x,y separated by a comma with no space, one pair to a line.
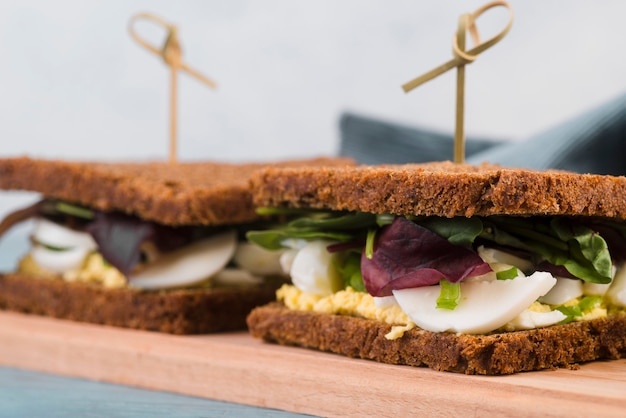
26,393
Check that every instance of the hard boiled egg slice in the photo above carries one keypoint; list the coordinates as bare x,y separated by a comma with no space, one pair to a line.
313,269
530,319
383,302
59,261
491,255
564,290
286,260
236,277
595,289
70,246
617,291
55,235
188,265
598,289
258,260
484,305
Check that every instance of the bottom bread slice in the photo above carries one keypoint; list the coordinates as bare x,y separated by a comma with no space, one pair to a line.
505,353
184,311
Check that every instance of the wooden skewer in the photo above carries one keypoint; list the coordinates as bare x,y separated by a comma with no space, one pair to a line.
171,53
467,22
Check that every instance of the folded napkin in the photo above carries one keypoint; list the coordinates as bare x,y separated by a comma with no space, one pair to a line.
594,142
371,141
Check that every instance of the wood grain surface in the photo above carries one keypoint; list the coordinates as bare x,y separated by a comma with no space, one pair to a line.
237,368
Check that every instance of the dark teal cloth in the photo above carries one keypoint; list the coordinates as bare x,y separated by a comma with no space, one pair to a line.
593,142
372,141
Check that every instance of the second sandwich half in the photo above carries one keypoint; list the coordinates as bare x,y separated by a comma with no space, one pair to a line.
151,246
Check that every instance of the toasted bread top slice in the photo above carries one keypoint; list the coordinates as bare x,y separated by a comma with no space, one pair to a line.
442,189
190,193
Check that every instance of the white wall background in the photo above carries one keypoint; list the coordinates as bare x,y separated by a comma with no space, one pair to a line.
73,84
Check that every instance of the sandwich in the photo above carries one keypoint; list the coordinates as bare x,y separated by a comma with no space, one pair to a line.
460,268
144,245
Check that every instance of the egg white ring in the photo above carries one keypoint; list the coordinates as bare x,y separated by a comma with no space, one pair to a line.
236,277
313,269
258,260
188,265
530,319
52,234
59,261
617,290
564,290
484,306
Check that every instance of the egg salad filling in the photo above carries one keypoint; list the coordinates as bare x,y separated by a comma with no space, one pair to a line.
347,302
473,276
77,244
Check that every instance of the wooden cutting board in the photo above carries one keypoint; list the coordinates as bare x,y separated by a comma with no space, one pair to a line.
237,368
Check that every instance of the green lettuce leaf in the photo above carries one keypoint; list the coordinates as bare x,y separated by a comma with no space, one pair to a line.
587,303
588,250
572,312
326,221
458,230
561,242
336,226
350,271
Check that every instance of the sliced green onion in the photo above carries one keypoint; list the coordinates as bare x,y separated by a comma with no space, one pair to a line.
53,247
507,274
449,296
589,302
570,312
384,219
369,243
74,210
282,211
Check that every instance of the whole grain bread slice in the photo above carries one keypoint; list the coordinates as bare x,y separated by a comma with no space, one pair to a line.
494,354
179,311
187,193
442,189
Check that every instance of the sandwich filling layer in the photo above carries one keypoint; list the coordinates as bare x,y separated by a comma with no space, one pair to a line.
113,250
463,275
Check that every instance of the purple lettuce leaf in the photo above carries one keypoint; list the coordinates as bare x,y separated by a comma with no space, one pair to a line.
119,238
556,271
407,255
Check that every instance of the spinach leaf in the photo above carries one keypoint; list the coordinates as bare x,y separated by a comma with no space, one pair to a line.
589,252
337,226
350,271
458,230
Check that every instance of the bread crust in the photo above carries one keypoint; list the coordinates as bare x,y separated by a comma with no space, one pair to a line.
443,189
190,193
494,354
182,311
